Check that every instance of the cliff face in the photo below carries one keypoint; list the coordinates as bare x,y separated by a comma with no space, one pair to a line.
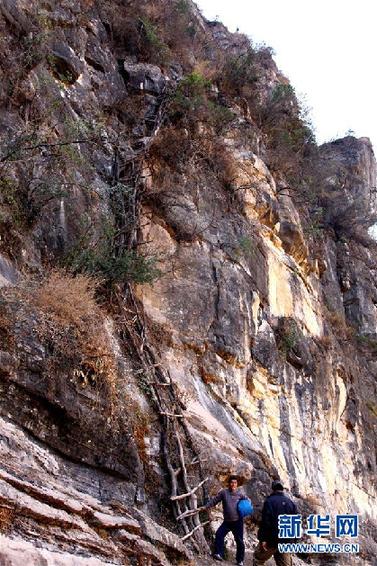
237,325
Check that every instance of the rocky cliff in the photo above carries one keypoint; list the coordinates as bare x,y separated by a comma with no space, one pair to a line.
188,288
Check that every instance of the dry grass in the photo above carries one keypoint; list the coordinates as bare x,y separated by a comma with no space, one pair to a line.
222,163
325,341
196,151
338,322
75,325
69,300
163,151
210,377
6,519
140,429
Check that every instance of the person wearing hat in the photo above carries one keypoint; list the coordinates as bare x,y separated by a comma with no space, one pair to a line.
268,535
233,522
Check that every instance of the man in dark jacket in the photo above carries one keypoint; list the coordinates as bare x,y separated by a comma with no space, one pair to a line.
268,535
230,498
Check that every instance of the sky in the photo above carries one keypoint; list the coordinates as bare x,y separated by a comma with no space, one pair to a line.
328,50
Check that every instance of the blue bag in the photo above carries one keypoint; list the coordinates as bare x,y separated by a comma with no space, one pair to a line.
245,508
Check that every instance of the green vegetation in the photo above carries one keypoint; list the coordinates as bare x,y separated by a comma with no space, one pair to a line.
40,165
194,84
152,34
183,7
315,225
194,102
190,96
285,120
238,73
33,49
22,56
219,116
288,339
128,267
105,259
368,342
245,246
157,49
144,384
10,200
283,93
291,116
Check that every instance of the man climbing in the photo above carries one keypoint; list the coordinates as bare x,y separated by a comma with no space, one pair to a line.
233,522
268,535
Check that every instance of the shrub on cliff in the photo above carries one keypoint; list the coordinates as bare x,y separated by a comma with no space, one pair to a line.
197,152
238,73
190,99
69,300
129,266
196,102
194,121
71,327
284,120
152,32
108,260
75,325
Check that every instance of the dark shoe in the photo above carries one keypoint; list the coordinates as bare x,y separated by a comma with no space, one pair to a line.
217,557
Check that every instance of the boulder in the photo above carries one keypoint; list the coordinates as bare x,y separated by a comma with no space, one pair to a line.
144,77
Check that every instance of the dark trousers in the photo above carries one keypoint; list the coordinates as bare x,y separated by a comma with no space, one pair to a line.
236,528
